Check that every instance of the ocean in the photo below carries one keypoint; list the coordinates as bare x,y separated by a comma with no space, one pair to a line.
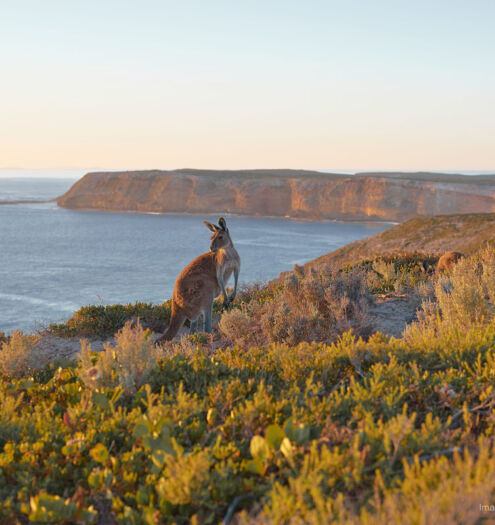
53,260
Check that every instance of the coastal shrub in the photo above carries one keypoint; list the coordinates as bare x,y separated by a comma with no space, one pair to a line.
19,355
354,431
104,320
127,364
484,263
187,345
406,274
385,274
349,297
402,273
316,305
237,326
440,491
10,421
463,299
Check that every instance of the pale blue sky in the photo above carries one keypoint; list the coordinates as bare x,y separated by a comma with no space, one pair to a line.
245,84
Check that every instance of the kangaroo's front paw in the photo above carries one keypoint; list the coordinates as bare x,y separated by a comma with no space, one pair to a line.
226,303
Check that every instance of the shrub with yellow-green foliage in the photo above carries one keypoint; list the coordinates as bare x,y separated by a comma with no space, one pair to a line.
270,430
383,431
463,298
104,320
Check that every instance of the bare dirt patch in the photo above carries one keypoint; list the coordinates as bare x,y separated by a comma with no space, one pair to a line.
54,347
391,313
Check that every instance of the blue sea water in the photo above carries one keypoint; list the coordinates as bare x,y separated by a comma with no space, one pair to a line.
53,260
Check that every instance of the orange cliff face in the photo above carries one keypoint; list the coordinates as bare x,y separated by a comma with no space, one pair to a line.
280,193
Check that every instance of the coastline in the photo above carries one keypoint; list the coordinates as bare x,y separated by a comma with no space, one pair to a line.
237,215
4,203
362,220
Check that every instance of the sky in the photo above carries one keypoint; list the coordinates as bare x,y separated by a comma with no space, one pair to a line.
327,85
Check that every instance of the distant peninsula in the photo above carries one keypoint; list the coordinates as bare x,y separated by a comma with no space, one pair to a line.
299,194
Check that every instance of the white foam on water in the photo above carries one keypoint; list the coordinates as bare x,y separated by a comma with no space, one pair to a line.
64,305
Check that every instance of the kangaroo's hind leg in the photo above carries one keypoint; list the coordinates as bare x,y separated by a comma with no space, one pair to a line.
208,319
201,324
193,326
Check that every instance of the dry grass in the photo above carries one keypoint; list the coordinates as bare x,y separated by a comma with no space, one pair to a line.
316,306
463,298
128,363
19,356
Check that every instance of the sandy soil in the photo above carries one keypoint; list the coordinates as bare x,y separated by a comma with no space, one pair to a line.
55,347
391,313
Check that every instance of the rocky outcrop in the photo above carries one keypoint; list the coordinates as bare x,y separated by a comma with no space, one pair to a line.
284,193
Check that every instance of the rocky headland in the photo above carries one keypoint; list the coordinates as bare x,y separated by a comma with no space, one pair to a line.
284,193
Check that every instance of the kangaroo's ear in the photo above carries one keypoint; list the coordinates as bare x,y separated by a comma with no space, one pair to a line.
211,226
222,224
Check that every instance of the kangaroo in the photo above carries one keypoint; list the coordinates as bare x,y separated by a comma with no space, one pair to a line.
202,280
448,260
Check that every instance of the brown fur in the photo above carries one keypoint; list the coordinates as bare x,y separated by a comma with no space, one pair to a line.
448,260
202,280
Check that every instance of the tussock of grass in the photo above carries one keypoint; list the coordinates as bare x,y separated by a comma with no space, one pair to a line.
19,356
127,364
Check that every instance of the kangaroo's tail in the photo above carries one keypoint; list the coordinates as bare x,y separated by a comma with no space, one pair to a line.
176,321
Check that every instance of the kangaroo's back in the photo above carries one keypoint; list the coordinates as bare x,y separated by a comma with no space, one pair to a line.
196,283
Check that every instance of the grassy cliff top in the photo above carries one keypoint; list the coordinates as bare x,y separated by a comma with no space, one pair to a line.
437,234
429,176
254,173
295,173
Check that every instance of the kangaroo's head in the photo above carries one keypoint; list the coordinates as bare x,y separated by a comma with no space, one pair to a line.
221,237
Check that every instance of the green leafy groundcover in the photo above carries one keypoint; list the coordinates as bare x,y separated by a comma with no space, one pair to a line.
375,432
105,320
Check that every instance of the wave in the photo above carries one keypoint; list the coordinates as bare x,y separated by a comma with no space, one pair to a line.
64,305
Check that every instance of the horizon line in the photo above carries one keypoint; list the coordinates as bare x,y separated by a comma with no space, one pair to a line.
322,170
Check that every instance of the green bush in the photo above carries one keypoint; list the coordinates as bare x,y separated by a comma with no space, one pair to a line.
354,431
268,431
399,272
103,321
463,299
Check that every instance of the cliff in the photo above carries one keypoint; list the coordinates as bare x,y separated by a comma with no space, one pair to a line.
433,235
284,193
